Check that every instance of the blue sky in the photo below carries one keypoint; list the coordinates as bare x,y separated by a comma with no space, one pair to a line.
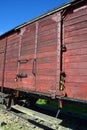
16,12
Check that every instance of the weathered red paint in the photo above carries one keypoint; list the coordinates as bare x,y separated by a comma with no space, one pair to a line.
75,58
34,52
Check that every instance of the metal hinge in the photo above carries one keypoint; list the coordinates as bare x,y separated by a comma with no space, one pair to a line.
63,48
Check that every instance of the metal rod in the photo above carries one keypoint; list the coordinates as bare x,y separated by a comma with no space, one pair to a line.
57,113
36,45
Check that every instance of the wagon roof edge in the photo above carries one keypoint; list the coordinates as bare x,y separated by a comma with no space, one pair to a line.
58,9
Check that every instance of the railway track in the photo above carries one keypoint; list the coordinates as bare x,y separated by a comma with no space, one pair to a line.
21,118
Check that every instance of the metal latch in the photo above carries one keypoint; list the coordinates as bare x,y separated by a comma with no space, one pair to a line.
23,61
21,75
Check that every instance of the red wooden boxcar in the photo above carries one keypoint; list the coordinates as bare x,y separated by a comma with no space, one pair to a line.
47,56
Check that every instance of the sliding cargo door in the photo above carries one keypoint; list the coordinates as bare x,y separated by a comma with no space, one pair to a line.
26,62
48,55
11,66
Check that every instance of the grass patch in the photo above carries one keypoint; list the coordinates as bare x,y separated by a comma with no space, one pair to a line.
41,102
50,104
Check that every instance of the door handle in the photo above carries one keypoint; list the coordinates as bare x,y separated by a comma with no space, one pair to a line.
21,75
34,67
23,61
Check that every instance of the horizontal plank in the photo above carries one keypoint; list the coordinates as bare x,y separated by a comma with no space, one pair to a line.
12,60
76,72
12,69
47,66
76,20
14,39
78,45
9,79
25,52
47,38
46,78
10,85
47,59
38,115
30,27
45,89
27,72
27,56
77,38
76,26
48,72
75,59
29,41
79,79
27,45
27,87
48,31
47,48
10,64
13,47
27,37
46,54
26,83
75,32
47,43
80,65
12,52
28,68
75,85
29,80
47,21
29,32
46,28
28,50
10,73
11,56
45,85
76,52
74,15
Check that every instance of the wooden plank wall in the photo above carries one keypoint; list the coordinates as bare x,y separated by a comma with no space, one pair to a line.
27,53
75,58
47,76
2,51
11,64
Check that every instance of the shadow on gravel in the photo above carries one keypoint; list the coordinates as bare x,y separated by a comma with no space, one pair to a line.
40,125
73,123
